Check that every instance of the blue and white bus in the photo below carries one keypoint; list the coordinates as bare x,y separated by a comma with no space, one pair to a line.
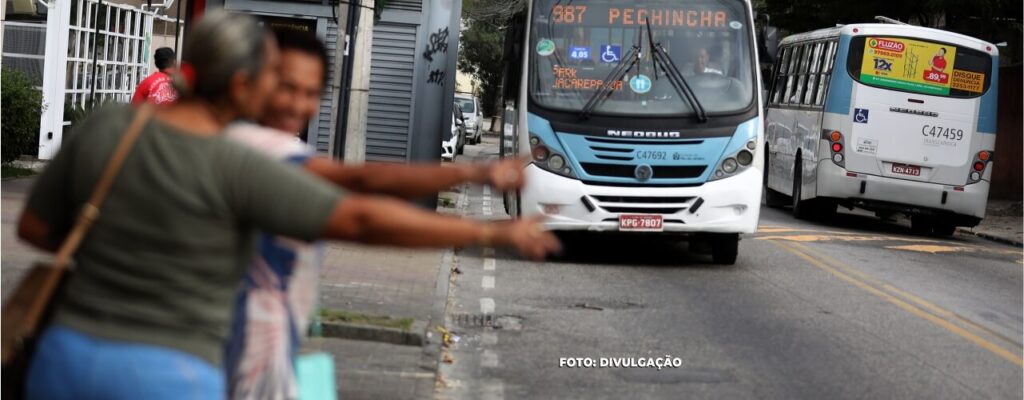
886,117
639,116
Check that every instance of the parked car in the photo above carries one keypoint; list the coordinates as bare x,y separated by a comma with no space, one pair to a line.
474,118
454,142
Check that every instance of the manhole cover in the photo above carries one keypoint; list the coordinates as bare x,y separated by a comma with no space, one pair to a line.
506,322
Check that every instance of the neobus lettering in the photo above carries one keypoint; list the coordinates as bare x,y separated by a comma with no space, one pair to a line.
668,17
942,132
643,134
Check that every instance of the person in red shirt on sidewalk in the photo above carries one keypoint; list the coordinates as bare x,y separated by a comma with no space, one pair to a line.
158,88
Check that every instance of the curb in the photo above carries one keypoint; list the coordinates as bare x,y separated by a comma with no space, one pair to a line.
341,330
994,238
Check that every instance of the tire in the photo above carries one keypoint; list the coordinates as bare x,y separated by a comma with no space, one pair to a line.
943,230
801,209
921,225
725,248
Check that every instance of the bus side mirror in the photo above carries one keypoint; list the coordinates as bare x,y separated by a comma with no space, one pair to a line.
767,38
768,44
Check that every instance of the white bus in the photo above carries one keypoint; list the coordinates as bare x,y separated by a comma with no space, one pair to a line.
886,117
639,116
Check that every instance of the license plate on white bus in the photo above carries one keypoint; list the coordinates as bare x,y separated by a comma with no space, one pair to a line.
904,169
641,223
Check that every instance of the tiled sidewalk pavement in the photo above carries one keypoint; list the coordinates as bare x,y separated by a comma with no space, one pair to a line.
17,257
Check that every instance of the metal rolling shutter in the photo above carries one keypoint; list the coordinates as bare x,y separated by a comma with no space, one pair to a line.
323,126
391,91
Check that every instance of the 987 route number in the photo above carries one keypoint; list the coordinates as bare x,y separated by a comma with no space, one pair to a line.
941,132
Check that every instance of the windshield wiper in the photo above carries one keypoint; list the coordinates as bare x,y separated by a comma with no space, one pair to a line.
675,77
606,88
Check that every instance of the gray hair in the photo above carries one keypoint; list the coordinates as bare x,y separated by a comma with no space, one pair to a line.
221,45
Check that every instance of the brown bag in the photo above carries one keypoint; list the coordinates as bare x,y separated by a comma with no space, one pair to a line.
28,309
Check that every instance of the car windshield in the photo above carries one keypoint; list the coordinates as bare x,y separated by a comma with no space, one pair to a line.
576,45
467,105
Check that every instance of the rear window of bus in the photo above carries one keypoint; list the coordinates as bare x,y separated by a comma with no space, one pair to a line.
919,66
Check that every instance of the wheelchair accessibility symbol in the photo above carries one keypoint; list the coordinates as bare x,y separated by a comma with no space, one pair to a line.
611,53
860,115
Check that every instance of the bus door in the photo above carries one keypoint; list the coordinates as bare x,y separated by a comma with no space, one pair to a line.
915,111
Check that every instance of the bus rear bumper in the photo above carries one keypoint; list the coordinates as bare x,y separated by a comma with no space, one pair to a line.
925,198
730,205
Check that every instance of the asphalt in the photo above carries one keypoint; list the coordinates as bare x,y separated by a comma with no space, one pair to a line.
852,308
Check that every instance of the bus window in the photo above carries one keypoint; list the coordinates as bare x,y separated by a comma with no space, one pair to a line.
826,71
919,66
778,88
791,74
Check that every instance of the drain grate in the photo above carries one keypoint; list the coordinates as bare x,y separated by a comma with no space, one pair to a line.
507,322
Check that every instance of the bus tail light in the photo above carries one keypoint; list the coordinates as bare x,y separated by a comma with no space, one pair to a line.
981,161
836,145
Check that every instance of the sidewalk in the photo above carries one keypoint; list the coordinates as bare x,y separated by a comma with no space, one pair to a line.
1003,223
357,279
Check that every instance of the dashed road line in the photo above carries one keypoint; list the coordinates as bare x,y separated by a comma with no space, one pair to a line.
489,359
487,305
489,338
487,282
489,264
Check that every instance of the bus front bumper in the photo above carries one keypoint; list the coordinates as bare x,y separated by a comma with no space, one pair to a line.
730,205
904,195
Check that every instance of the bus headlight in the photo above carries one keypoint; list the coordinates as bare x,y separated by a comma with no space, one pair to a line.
556,162
549,160
745,157
729,165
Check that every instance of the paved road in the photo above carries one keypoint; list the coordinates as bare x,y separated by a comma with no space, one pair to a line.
855,308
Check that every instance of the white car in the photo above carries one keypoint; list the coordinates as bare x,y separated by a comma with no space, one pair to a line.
471,113
454,143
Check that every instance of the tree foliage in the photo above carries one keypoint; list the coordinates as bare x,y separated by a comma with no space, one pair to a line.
991,20
482,45
22,108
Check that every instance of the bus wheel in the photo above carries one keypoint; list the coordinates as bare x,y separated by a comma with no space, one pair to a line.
800,207
941,229
724,248
921,225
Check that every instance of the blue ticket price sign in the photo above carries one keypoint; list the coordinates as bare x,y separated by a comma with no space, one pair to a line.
579,53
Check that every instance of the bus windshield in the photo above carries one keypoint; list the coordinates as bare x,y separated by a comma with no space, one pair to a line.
575,46
919,66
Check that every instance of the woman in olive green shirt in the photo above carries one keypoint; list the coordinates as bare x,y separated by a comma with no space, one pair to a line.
146,312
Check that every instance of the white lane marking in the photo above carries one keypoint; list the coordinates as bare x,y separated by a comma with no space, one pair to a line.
489,264
487,190
487,282
487,305
489,359
488,252
489,338
494,390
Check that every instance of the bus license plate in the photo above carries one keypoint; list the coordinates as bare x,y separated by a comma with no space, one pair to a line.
903,169
641,223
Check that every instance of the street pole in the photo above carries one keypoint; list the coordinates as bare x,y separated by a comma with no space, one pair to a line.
95,51
359,87
177,28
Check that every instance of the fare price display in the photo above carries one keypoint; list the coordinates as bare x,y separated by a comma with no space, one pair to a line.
678,17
